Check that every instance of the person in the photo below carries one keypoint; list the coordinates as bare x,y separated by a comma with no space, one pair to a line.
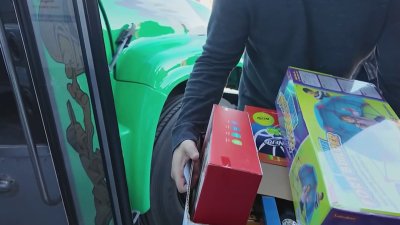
332,37
310,202
319,95
319,197
364,122
360,122
304,198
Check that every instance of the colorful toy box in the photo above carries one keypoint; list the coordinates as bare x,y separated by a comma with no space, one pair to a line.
343,143
230,171
267,135
271,151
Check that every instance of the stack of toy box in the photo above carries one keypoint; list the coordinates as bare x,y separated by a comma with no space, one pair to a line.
343,144
271,151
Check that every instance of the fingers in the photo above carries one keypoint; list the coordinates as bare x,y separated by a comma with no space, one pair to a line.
185,151
196,173
190,149
177,172
181,185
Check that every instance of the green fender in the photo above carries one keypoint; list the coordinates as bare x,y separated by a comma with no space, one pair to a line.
138,109
148,61
147,71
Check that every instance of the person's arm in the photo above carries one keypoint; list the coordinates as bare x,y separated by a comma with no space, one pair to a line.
228,31
389,58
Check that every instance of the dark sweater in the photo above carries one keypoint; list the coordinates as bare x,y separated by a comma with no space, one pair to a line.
330,36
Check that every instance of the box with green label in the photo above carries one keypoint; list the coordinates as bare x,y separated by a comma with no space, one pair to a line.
343,146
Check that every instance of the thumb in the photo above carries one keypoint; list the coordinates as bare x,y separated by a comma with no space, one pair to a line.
191,151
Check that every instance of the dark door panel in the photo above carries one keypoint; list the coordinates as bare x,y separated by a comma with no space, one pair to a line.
20,200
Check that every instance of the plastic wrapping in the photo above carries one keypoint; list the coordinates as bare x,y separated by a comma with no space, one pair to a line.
344,149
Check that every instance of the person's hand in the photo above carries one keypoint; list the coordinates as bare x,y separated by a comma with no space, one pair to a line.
186,151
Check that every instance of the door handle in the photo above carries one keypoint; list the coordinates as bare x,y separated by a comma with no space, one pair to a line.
6,185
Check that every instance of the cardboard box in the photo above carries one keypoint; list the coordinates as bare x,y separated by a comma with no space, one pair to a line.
344,147
275,181
267,135
230,173
268,139
269,142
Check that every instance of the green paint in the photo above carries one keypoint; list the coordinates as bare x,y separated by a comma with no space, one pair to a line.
139,120
168,40
160,56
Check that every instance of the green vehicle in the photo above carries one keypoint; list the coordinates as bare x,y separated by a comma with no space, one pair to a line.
97,87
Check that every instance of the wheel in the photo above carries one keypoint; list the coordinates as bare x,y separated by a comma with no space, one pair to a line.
166,203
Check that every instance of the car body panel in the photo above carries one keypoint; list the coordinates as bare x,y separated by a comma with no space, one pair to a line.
168,39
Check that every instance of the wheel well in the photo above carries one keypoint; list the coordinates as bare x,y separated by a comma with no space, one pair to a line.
179,89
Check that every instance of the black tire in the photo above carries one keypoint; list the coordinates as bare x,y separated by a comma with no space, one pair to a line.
166,203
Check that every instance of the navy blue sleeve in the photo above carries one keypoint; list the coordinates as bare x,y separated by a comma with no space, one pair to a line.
389,58
227,34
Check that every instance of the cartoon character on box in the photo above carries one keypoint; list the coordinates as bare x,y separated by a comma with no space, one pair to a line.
346,115
317,94
309,198
365,122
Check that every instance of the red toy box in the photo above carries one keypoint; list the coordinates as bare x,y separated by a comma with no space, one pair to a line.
231,171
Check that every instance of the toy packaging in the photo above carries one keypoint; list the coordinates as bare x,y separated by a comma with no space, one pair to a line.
343,144
267,135
230,171
271,151
275,181
188,177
